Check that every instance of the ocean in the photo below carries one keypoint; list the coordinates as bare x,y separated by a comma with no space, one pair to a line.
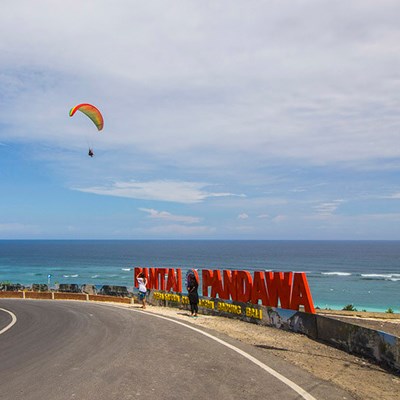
365,274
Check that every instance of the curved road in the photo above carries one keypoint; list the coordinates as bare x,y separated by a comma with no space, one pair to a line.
72,350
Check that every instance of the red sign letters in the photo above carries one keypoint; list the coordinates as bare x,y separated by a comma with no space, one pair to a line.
284,289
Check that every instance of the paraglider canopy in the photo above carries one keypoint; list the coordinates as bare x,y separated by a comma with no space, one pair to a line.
91,111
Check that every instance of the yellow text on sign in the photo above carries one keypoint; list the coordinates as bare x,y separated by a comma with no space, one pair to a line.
231,308
167,296
253,312
206,304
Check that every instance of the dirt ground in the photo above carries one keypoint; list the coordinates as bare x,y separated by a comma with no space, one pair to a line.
363,379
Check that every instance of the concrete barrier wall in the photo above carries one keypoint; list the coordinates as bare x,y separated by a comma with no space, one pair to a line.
12,295
70,296
65,296
377,345
44,295
38,295
96,297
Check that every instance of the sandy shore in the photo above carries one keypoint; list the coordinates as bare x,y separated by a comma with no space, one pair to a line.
363,379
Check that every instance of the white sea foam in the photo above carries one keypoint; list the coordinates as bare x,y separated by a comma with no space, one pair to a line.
125,269
376,276
336,273
74,276
381,277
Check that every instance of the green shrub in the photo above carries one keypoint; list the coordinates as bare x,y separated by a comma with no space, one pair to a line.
349,307
389,310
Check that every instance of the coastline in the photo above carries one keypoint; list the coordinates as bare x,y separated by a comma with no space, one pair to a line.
365,274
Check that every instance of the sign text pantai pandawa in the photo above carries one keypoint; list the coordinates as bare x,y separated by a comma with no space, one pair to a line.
274,289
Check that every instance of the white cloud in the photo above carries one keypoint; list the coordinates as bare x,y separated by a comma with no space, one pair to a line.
298,190
173,191
328,208
205,101
276,83
226,194
166,216
279,218
263,216
393,196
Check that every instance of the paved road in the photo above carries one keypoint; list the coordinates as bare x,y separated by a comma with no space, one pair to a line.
74,350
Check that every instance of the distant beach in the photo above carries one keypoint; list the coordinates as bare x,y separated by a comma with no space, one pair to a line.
364,274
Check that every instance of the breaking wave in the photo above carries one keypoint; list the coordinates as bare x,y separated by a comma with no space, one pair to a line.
336,273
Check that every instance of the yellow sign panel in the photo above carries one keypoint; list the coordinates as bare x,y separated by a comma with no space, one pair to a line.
223,307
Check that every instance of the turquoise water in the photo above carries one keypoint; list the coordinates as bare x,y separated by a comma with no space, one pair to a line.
363,273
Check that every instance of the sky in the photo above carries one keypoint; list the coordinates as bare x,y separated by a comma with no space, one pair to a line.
266,120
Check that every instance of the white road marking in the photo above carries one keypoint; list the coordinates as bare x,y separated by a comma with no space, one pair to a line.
13,321
304,394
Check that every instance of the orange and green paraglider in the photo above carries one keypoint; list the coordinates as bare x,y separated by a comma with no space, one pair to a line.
93,113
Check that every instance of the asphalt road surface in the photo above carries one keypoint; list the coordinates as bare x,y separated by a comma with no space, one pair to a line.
60,350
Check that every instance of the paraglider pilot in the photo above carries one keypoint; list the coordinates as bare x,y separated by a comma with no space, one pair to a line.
90,153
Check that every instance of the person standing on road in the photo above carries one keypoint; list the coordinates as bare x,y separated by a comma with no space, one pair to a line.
193,295
142,281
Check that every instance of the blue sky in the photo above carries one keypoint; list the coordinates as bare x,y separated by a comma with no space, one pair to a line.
223,120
